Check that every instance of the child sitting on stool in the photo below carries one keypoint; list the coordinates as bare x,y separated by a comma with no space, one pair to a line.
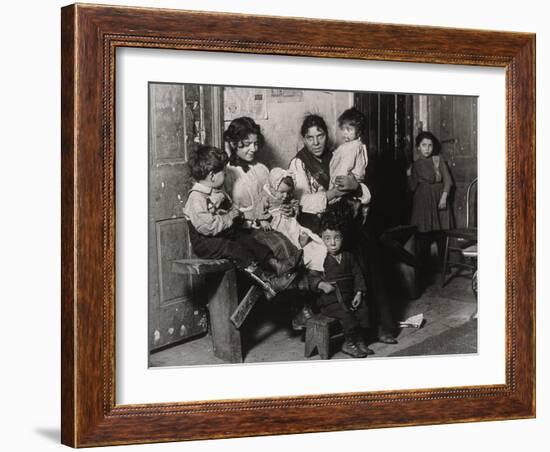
343,288
213,227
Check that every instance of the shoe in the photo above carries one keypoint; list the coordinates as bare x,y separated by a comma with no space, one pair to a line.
299,321
352,349
364,347
387,339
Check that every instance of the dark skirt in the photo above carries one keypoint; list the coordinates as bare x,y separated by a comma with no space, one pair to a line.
426,214
281,247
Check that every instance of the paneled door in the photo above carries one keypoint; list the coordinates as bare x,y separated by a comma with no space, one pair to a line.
454,120
181,117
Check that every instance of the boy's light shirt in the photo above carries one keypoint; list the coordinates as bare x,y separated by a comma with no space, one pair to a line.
202,207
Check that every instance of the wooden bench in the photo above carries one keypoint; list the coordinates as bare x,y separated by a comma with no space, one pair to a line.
226,313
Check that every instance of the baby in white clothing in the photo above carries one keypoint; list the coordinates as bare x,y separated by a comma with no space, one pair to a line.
279,203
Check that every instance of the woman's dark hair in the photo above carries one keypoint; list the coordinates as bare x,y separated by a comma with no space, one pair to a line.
313,121
239,129
206,159
355,118
428,136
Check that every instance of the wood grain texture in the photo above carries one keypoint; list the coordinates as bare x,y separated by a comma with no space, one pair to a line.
68,333
90,36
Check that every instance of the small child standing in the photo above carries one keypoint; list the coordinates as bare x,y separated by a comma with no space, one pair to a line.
213,230
350,158
279,204
343,288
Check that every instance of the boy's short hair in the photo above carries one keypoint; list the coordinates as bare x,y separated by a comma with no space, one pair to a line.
206,159
353,117
330,221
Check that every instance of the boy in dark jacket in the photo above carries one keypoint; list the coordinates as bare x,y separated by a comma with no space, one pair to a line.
343,289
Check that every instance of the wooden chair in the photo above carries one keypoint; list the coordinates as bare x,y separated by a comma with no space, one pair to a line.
226,313
461,243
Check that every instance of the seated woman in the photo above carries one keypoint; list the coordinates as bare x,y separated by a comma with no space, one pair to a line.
245,179
245,182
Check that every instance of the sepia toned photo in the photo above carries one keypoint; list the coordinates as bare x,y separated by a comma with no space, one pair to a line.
292,224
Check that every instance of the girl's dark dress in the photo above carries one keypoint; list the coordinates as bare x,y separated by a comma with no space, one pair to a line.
430,178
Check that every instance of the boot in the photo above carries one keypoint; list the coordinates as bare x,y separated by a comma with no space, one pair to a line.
351,348
299,321
362,345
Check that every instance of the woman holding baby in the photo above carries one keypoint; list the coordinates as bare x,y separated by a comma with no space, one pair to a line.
266,204
319,192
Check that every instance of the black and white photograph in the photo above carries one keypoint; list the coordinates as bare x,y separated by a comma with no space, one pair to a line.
257,225
290,224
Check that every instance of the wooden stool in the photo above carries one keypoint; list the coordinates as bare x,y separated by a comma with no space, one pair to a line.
318,335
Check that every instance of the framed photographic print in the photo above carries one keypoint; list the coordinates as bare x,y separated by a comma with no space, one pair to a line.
278,225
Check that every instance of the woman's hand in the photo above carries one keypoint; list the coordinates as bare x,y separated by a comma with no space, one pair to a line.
334,193
287,210
409,171
265,225
346,183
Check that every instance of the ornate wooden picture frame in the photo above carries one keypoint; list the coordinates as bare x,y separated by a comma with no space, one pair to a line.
90,38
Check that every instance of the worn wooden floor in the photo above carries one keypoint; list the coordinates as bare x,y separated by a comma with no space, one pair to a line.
268,337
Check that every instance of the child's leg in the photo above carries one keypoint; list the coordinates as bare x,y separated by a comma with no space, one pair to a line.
349,326
363,319
233,245
243,250
209,247
259,252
